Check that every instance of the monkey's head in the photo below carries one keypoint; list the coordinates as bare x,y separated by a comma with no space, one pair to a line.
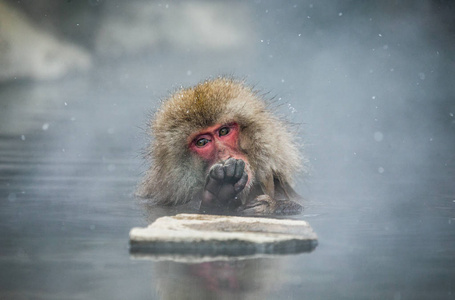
211,122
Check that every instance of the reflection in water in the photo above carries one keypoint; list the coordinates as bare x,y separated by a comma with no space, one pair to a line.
231,279
236,275
372,86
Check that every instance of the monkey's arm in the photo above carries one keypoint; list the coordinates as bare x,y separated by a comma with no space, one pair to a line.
265,205
282,202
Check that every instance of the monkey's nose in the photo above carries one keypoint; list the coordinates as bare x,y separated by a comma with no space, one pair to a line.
223,154
224,158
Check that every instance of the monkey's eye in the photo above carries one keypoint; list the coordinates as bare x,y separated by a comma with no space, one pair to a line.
224,131
201,142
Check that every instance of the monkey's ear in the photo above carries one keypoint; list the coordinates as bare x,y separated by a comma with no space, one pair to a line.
268,185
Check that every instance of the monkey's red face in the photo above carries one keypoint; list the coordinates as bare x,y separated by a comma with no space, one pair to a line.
217,143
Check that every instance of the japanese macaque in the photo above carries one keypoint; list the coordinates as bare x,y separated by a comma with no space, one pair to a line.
216,143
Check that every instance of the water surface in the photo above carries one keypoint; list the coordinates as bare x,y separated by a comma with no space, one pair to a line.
371,90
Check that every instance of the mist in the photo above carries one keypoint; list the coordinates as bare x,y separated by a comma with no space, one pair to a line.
367,86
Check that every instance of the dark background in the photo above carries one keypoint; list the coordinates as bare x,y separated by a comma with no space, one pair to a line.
370,85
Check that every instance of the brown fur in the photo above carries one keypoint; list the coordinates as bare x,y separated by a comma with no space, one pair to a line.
177,175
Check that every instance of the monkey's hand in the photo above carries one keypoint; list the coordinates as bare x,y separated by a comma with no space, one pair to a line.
222,186
265,205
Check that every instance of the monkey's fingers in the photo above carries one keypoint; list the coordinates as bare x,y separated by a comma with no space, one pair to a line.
217,172
239,169
241,183
265,205
229,167
214,179
234,169
261,205
287,207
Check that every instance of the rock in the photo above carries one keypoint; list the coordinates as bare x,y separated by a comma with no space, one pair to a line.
210,235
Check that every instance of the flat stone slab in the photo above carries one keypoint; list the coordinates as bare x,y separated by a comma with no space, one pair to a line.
210,235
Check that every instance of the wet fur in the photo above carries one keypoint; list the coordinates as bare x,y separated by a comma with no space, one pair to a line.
177,176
